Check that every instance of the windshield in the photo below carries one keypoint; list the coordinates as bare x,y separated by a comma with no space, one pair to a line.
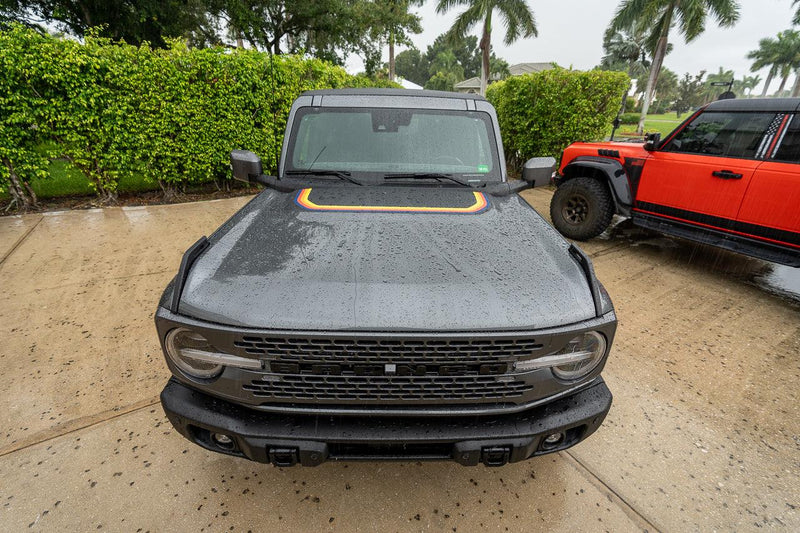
379,141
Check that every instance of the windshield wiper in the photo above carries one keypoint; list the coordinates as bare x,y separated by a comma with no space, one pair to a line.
341,174
438,176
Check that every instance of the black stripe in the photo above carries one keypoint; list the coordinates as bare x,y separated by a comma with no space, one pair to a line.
756,230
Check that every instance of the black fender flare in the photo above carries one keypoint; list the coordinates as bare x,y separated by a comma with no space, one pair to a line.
605,169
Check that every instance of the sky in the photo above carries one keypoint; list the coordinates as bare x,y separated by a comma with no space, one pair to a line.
571,34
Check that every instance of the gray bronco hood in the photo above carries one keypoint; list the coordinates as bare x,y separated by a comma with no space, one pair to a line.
387,259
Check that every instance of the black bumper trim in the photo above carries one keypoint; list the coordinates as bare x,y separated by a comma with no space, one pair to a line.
285,440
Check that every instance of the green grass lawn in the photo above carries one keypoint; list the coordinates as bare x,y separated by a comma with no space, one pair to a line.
66,181
663,124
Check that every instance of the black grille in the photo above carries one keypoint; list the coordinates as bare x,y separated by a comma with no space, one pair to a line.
388,370
329,389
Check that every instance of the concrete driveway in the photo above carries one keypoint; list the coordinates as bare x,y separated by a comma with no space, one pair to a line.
703,433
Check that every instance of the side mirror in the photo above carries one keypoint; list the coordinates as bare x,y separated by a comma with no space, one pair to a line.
246,166
651,141
538,171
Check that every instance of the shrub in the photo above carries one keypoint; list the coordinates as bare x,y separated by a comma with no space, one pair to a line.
541,113
172,115
629,118
22,127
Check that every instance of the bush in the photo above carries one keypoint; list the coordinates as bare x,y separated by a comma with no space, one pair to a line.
541,113
659,107
22,127
172,115
629,118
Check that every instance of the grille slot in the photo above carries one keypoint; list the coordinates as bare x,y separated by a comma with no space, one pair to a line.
386,388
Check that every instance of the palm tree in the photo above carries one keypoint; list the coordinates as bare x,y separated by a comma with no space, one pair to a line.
625,50
789,58
399,24
784,60
517,17
746,85
781,55
628,49
660,16
722,76
766,56
447,62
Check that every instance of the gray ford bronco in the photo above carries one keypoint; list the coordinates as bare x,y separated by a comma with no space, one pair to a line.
388,295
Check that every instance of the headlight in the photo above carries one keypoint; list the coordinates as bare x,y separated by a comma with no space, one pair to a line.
196,357
577,359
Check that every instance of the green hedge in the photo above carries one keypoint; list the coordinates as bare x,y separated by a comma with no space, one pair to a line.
542,113
171,115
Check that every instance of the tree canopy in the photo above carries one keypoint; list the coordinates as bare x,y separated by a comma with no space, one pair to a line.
422,68
326,29
781,56
658,17
133,21
517,18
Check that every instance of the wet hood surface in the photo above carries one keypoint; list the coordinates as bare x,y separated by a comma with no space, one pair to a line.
389,259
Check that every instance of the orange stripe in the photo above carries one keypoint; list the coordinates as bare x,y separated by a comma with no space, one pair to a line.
479,205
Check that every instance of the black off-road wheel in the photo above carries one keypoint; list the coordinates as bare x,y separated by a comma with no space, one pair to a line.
582,208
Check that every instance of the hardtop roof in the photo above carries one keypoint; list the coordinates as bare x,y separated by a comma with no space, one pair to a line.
394,92
755,104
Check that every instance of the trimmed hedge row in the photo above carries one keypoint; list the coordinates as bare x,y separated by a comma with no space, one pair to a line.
172,115
541,113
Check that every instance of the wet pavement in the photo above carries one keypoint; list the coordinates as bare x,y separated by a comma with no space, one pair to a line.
777,279
703,433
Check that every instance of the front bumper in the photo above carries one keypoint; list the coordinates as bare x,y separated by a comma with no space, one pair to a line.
286,440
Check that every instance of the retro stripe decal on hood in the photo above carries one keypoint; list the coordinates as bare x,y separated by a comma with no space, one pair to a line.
479,204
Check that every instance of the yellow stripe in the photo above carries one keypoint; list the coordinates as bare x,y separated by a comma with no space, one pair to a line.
480,203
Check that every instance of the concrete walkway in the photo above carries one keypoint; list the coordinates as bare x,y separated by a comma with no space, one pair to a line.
703,433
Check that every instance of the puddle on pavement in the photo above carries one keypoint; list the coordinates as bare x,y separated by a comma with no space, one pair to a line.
782,279
776,279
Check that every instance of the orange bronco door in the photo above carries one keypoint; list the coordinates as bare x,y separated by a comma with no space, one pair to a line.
771,206
700,175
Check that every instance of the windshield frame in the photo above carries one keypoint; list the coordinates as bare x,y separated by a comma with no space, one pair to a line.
495,174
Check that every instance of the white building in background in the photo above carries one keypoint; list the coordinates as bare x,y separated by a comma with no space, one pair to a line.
473,85
408,84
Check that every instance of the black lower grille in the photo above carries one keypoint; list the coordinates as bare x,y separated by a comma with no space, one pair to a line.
387,389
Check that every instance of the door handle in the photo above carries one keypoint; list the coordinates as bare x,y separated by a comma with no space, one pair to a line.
726,175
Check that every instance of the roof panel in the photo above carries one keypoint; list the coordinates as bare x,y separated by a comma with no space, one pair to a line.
394,93
755,104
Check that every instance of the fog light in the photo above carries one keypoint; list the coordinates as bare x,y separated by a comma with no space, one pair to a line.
553,439
222,439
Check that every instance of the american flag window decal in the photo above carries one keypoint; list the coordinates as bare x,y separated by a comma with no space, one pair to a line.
768,143
788,121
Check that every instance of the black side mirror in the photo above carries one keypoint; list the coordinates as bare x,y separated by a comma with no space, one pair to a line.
538,171
246,166
651,141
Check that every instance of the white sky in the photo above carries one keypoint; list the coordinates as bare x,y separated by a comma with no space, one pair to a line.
571,34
